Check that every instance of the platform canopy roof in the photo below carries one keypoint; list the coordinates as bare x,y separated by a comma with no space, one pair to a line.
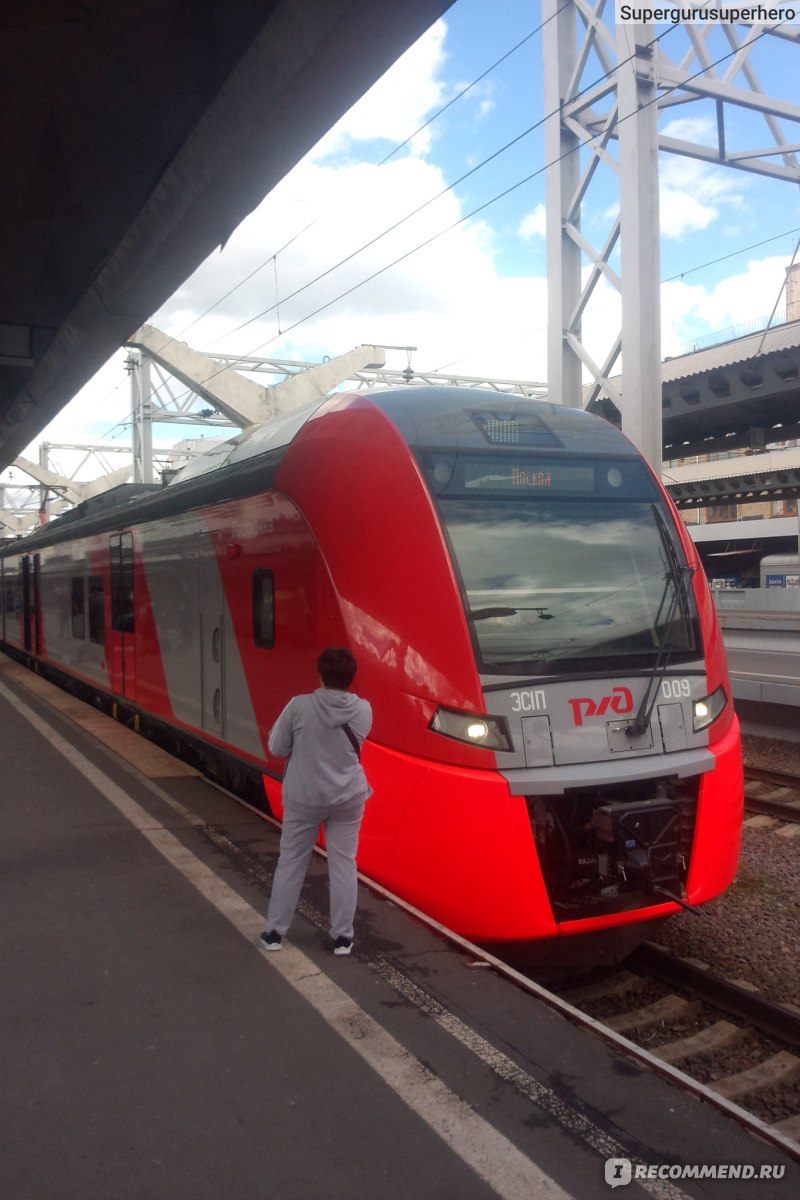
136,136
743,393
732,400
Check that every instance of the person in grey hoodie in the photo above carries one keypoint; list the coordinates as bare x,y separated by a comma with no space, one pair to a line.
323,784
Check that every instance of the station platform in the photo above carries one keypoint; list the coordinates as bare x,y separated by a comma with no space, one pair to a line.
152,1051
763,652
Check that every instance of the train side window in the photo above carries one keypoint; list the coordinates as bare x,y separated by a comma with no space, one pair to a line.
96,610
78,608
264,609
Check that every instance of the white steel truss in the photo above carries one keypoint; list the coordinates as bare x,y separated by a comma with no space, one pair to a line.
606,90
158,396
26,505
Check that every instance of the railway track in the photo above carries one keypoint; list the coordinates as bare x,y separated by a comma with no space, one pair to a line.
772,794
725,1037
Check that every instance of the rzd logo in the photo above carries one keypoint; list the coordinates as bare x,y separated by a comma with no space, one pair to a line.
620,701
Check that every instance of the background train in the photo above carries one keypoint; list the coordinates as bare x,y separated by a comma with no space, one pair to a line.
779,571
554,751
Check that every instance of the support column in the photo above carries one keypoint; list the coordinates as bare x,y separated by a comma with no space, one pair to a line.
562,178
639,242
142,417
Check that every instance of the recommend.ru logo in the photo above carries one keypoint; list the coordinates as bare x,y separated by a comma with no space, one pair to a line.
619,1171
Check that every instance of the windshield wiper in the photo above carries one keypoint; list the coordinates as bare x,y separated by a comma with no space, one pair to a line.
677,580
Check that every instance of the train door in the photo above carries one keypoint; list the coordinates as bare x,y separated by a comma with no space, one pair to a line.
26,603
31,608
123,616
212,641
14,623
35,616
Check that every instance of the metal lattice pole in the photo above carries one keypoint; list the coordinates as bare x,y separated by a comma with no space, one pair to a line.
606,90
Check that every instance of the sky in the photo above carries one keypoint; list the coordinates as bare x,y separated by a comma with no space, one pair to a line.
370,239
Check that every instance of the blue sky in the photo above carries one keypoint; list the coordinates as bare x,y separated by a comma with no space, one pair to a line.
474,300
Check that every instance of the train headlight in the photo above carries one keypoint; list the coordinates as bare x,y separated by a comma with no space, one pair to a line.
477,730
706,711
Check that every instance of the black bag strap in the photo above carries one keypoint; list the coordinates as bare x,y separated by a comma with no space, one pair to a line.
353,740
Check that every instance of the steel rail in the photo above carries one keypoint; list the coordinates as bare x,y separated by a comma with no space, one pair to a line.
777,1020
772,806
779,778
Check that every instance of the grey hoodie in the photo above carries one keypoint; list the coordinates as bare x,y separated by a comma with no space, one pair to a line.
323,769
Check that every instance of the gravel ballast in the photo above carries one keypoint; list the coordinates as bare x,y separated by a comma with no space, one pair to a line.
752,932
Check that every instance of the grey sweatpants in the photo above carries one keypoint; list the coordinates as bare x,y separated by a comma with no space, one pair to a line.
298,835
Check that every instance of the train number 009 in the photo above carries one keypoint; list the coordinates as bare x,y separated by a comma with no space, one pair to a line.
675,689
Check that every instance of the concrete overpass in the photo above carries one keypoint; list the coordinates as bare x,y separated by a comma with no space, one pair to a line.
136,137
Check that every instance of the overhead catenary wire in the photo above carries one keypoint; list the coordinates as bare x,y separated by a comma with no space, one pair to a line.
432,200
777,300
690,270
400,145
273,257
506,192
712,262
408,216
474,212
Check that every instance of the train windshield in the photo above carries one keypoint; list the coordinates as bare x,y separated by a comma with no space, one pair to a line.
565,564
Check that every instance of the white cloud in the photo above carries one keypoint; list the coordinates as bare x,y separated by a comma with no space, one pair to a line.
693,194
414,285
482,95
534,225
700,131
398,104
351,240
691,311
680,304
748,295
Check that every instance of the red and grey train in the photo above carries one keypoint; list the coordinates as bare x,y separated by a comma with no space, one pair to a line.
554,751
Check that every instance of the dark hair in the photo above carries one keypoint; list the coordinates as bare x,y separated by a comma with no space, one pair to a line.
336,667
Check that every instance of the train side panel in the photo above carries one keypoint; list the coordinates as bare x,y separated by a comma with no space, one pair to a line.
194,662
72,584
277,600
169,650
720,814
